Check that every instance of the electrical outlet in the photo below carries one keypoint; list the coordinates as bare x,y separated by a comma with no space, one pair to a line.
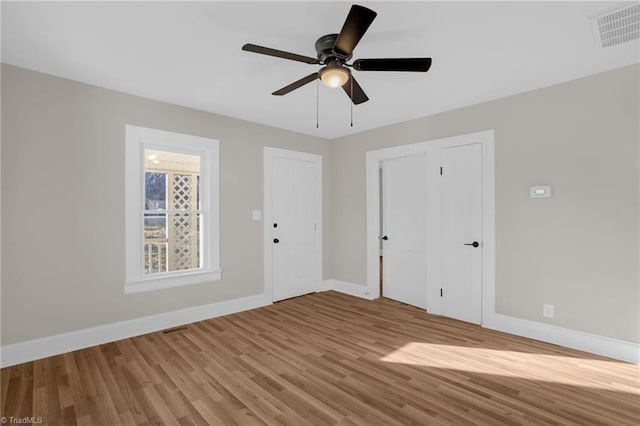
547,310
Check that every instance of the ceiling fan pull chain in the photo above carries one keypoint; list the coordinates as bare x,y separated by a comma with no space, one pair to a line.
351,100
317,102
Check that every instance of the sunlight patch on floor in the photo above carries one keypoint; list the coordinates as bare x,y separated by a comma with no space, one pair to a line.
621,377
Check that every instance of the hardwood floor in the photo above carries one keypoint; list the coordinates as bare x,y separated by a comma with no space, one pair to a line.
327,359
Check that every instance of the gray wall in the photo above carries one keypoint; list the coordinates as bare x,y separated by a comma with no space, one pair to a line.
577,250
63,204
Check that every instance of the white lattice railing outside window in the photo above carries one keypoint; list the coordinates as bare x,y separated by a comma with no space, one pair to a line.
183,228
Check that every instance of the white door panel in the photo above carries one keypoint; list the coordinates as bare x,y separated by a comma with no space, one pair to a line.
293,227
461,227
404,223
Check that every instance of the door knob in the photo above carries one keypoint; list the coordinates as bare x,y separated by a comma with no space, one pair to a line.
385,238
475,244
276,241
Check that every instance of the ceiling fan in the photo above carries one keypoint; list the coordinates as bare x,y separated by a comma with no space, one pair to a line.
334,50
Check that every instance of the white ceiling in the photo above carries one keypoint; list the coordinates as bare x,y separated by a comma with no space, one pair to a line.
190,54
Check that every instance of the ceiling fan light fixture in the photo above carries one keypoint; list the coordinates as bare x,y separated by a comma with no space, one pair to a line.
334,76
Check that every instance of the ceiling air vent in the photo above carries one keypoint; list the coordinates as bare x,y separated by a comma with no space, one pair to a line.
619,25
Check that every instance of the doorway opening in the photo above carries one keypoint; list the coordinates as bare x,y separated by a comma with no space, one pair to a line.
403,229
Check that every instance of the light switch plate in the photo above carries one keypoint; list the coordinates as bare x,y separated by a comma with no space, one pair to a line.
542,191
256,215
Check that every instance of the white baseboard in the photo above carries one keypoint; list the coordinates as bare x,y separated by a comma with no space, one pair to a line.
30,350
347,288
600,345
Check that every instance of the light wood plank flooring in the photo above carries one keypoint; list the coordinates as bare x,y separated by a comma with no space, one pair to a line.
326,359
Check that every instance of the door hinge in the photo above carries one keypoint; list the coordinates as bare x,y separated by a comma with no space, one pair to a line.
440,292
440,170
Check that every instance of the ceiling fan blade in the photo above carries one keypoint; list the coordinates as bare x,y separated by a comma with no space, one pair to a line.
279,53
296,84
356,24
397,64
358,94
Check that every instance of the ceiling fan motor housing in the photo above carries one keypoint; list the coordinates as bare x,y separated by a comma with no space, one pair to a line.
324,48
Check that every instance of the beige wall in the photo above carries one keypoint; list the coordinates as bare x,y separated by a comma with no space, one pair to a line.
579,250
63,203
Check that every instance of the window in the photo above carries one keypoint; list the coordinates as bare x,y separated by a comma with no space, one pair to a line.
172,210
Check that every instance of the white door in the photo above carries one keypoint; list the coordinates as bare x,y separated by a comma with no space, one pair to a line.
292,222
404,192
462,232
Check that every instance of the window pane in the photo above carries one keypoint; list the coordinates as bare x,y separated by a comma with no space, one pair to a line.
155,225
155,191
172,242
184,241
155,243
185,191
155,256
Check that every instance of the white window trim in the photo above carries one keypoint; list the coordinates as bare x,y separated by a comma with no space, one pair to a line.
137,140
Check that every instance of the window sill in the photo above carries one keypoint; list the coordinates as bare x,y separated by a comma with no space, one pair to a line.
161,283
